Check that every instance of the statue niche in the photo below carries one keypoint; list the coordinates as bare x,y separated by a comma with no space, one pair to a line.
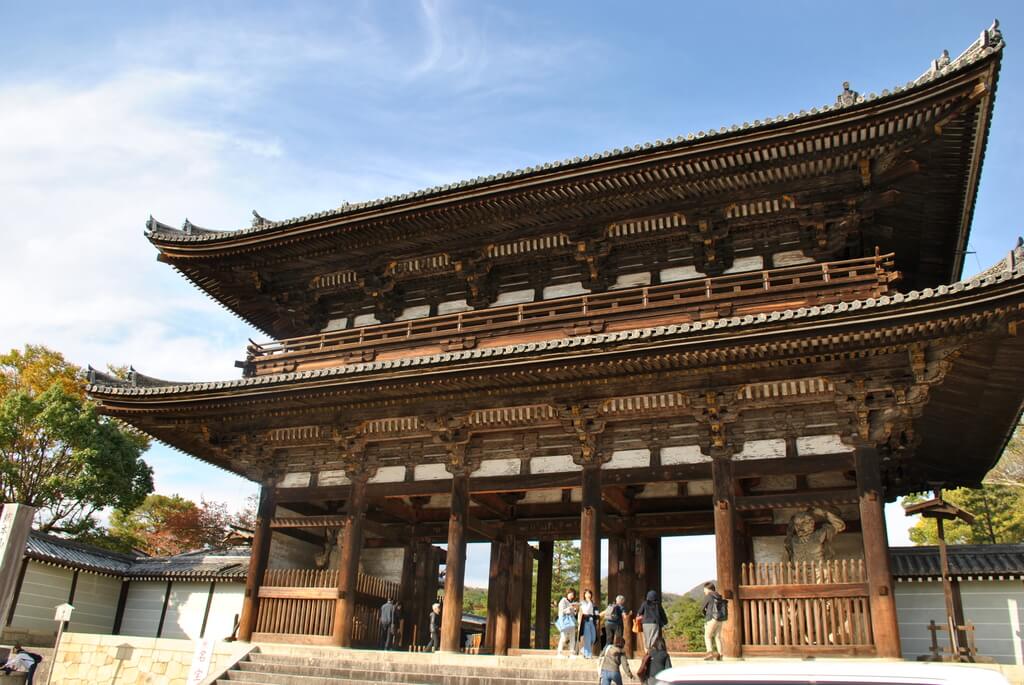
810,534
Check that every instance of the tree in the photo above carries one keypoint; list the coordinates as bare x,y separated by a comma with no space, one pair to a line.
166,525
998,511
1009,470
685,620
565,568
56,452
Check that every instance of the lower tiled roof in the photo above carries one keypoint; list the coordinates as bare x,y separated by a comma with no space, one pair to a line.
913,563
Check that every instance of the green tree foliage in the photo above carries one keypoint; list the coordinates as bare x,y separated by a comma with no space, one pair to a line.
474,601
685,620
164,525
565,569
1010,468
999,512
56,452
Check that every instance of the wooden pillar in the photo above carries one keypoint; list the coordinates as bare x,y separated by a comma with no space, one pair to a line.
526,597
451,614
424,593
627,588
517,585
493,578
590,532
257,563
652,563
615,545
725,548
882,601
502,620
544,568
407,592
350,545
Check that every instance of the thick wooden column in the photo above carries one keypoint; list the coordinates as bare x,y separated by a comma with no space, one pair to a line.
725,548
652,562
627,588
615,545
257,563
502,620
408,592
526,597
590,532
424,593
350,546
493,576
455,573
544,568
871,495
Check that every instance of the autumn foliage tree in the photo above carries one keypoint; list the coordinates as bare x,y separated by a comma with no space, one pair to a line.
166,525
57,453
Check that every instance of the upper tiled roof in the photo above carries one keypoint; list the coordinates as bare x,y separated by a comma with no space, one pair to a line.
964,561
50,549
1010,269
989,42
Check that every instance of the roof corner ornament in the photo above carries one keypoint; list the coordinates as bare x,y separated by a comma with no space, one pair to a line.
992,37
847,97
258,221
941,63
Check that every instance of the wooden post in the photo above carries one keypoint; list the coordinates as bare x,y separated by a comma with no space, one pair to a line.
407,592
451,614
615,544
257,563
544,568
350,545
590,532
627,588
494,573
502,620
526,597
424,593
652,556
725,548
884,623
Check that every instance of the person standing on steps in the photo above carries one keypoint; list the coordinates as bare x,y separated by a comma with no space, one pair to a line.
612,659
614,619
435,627
715,614
656,661
653,617
387,624
566,622
588,624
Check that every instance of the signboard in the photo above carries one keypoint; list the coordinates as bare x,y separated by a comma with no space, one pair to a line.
202,659
63,612
15,522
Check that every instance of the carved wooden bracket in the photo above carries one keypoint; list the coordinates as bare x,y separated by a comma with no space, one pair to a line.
584,422
380,286
592,254
475,271
712,249
463,342
454,434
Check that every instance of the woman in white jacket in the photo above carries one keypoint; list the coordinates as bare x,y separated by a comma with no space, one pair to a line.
566,622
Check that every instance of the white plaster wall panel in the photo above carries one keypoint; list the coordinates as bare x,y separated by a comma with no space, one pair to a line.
821,444
992,606
287,552
295,480
439,502
629,459
514,297
790,258
388,474
384,562
417,312
769,483
559,463
750,263
431,472
43,588
365,320
95,604
185,609
916,605
576,495
142,608
336,324
829,479
634,280
679,273
498,467
683,454
542,497
336,477
700,487
564,290
453,307
226,604
762,449
655,490
773,548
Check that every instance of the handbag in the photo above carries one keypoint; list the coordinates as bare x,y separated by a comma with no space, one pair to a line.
638,624
565,622
645,668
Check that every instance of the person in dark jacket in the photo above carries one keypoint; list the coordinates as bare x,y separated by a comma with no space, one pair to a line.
435,627
387,624
614,619
659,661
612,659
712,624
654,619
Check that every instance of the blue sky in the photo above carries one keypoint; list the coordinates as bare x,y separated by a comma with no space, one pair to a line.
111,112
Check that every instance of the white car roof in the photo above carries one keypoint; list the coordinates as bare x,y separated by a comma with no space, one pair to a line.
831,671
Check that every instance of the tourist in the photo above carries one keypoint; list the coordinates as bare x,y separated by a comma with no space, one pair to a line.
566,621
387,624
588,624
714,616
656,661
435,627
613,658
396,625
614,619
20,661
654,619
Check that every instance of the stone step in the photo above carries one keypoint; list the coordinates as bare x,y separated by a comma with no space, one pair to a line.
436,675
543,665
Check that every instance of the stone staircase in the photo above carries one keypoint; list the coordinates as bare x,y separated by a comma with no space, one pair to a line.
287,665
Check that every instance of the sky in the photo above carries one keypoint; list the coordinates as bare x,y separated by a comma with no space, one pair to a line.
111,112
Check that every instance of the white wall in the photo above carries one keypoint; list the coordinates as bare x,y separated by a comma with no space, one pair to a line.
916,605
95,604
185,609
43,588
227,603
143,607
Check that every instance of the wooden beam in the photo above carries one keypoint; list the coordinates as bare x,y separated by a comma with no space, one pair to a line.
616,497
490,531
493,503
820,498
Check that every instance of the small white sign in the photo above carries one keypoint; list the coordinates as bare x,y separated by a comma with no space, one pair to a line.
202,658
63,612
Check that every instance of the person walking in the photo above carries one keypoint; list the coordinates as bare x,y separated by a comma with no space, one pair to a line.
20,661
656,661
588,624
566,622
396,625
653,617
614,620
387,624
715,614
612,659
435,627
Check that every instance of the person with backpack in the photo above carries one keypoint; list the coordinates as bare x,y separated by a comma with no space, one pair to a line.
716,613
655,661
614,620
653,618
612,659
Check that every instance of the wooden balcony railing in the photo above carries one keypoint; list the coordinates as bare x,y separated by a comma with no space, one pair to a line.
732,295
804,607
